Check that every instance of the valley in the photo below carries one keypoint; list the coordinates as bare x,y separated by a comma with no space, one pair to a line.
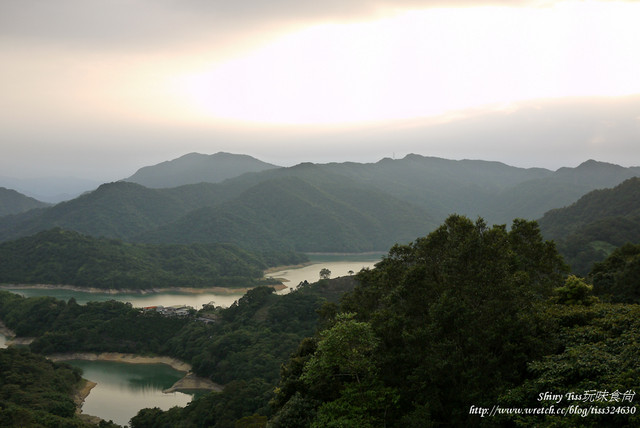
267,266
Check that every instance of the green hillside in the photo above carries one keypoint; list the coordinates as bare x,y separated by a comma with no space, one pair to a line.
64,257
12,202
117,210
331,214
35,392
495,191
590,229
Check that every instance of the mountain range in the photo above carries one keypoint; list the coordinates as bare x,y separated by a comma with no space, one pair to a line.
343,207
493,190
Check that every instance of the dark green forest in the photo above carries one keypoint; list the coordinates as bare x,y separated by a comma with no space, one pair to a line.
35,392
469,317
65,257
588,230
243,350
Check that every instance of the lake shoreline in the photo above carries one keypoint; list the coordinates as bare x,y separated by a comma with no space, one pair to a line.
6,331
142,292
82,393
285,267
189,382
122,358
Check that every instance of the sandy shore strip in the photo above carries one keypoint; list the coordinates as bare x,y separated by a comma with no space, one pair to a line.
82,393
191,382
286,267
6,331
11,336
122,358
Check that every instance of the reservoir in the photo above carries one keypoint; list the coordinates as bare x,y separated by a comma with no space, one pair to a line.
3,341
123,389
338,264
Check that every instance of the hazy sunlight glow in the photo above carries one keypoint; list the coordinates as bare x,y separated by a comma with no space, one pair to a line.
423,63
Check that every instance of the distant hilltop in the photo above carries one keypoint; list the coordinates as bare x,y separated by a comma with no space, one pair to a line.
196,168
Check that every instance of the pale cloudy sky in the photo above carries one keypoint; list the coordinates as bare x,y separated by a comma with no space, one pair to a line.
99,88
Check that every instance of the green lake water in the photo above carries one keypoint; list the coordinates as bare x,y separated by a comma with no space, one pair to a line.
123,389
3,341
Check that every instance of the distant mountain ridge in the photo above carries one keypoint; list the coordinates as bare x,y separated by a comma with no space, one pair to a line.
196,168
50,189
12,202
322,207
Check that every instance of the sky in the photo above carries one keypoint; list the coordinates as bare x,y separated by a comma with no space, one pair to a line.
99,88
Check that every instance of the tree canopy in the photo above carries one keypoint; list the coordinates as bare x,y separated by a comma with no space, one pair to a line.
453,320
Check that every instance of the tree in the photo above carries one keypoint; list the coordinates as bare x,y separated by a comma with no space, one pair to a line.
325,273
618,276
575,292
344,359
457,311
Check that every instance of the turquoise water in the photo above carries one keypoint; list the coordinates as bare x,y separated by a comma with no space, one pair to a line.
123,389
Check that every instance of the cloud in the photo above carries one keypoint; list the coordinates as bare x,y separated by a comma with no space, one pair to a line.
145,24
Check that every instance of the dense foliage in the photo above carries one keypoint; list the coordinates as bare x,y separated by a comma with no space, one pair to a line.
34,392
326,213
597,352
111,326
454,311
243,349
617,278
65,257
467,317
590,229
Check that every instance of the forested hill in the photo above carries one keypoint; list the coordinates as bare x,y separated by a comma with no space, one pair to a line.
12,202
591,228
321,207
64,257
331,214
118,210
195,168
492,190
322,212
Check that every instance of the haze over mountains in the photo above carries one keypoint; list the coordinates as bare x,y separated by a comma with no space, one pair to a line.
12,202
196,168
309,207
50,189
